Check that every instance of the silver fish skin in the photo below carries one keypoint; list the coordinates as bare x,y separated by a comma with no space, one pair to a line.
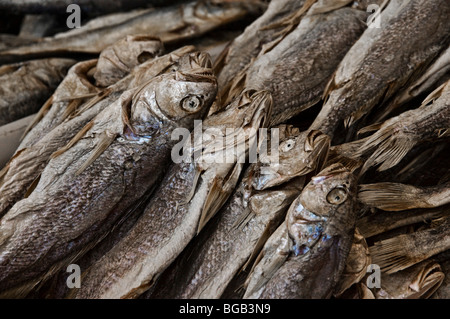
170,24
83,191
320,228
26,86
175,213
385,59
31,158
297,70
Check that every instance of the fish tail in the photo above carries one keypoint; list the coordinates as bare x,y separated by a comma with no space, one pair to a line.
392,196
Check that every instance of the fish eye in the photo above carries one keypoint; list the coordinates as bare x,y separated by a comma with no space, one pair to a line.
337,196
286,146
191,103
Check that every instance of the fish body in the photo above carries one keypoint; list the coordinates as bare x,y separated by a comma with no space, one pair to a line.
26,86
297,70
170,24
313,243
385,59
26,165
87,187
233,238
395,137
186,199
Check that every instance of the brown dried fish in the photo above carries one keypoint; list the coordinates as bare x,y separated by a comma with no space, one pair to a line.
403,251
418,281
190,194
170,24
23,170
397,197
112,162
384,60
248,45
395,137
297,70
382,222
114,63
306,256
26,86
233,239
356,266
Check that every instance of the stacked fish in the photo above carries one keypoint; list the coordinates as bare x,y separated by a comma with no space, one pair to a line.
352,202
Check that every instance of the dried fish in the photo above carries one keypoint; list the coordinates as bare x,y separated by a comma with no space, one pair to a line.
306,256
26,85
90,7
247,46
297,69
188,197
384,59
27,164
78,86
112,162
233,239
403,251
418,281
396,196
356,266
170,24
397,136
382,222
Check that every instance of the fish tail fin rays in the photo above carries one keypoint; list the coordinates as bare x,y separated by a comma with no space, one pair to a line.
219,192
392,196
73,141
319,144
403,251
44,109
105,141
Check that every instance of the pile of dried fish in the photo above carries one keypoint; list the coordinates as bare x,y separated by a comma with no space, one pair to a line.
226,149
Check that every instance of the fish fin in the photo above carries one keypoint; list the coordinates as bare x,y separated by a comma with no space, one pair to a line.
32,186
351,164
391,254
94,100
258,247
391,143
71,108
435,94
43,110
234,87
320,144
220,61
198,172
331,86
74,140
5,169
126,110
219,192
105,141
369,128
392,196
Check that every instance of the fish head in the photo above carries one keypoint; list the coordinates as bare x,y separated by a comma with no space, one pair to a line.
326,207
120,58
297,155
180,96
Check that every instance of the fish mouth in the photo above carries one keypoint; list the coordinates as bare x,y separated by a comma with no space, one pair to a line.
316,147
